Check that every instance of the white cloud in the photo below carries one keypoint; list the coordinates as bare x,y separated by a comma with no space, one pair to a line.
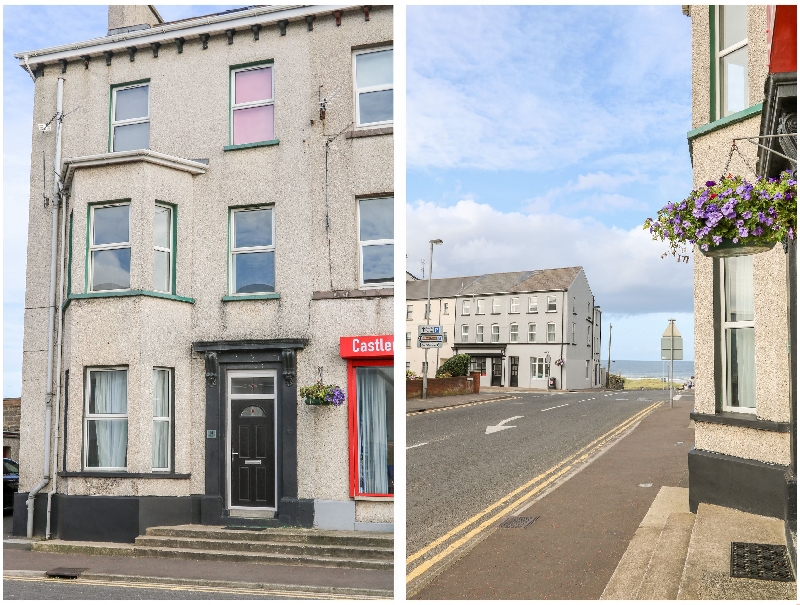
624,267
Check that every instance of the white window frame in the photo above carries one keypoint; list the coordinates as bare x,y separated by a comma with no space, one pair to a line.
724,327
573,332
131,121
408,340
495,333
533,304
446,309
247,250
370,242
357,90
513,333
479,304
168,419
479,333
720,54
495,306
552,299
535,362
114,246
87,416
587,369
588,336
514,305
170,231
465,333
465,307
551,323
263,103
408,366
531,332
409,312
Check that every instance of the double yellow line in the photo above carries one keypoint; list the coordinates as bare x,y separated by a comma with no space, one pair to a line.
535,485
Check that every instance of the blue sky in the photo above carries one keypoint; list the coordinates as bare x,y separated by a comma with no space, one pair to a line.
31,28
542,137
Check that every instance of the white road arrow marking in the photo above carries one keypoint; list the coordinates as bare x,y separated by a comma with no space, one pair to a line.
499,426
418,445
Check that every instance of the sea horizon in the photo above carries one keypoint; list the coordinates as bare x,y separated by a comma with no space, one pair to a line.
636,368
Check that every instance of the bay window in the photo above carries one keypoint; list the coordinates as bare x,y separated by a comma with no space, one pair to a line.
105,423
162,419
163,257
109,247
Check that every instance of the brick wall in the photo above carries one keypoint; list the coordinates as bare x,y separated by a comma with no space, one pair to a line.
11,414
440,387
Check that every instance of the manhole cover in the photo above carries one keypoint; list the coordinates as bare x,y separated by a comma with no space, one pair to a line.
760,562
518,522
65,572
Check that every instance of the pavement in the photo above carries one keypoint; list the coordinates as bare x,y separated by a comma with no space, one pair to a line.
585,517
284,579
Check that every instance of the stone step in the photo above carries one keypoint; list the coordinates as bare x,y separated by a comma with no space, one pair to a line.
295,535
109,549
663,576
276,547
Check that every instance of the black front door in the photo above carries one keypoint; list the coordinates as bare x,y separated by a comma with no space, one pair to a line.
252,446
514,376
497,371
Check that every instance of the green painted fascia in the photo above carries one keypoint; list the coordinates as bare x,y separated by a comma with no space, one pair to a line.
726,121
269,296
111,103
124,293
247,145
712,28
231,69
174,242
69,258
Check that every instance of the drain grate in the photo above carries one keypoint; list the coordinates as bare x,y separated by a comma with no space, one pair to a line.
65,572
518,522
760,562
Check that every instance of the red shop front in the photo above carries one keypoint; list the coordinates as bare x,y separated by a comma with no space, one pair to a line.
370,400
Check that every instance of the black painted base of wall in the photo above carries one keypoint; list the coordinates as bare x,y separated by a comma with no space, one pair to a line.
790,517
746,485
123,518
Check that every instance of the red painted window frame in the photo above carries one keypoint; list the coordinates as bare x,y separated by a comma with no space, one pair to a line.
352,404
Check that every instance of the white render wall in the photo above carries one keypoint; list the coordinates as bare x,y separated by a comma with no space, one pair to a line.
189,119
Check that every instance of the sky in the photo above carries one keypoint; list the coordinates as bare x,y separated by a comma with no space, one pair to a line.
543,137
32,28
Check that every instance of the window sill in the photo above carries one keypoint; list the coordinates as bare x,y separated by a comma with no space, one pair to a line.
249,145
374,498
122,293
335,294
269,296
742,419
124,475
723,122
369,132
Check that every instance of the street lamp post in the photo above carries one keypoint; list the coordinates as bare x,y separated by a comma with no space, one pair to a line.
428,320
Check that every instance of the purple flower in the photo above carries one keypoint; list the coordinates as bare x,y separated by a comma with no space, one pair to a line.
735,240
758,231
727,192
746,195
740,189
710,183
717,239
777,196
771,212
743,231
704,247
739,223
791,233
728,209
687,225
746,214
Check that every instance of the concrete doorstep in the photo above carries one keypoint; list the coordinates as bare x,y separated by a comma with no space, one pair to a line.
678,555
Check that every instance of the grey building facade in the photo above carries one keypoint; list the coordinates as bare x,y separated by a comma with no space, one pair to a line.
225,212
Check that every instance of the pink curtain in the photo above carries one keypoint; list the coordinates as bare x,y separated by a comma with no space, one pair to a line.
253,85
253,125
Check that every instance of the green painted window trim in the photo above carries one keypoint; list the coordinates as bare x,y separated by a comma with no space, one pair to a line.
712,28
228,252
739,116
124,293
69,258
111,103
174,243
89,207
270,296
248,145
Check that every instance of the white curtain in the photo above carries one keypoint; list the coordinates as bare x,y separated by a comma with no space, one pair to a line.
161,386
741,368
109,396
372,434
739,288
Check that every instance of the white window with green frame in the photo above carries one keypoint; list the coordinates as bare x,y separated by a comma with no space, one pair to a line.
732,87
373,74
252,104
737,340
130,116
251,258
109,247
162,419
105,419
376,242
163,249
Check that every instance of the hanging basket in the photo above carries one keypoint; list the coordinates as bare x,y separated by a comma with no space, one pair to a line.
728,248
316,401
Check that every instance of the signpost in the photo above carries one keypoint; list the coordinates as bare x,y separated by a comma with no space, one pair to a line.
671,349
430,337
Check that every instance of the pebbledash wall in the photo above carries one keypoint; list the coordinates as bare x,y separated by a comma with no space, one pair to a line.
742,456
200,330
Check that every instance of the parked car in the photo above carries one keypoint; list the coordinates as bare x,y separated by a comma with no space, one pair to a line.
10,483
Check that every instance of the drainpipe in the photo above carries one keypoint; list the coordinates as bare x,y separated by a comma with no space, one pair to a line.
48,400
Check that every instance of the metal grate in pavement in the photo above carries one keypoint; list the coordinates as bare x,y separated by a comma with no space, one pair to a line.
65,572
760,562
518,522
